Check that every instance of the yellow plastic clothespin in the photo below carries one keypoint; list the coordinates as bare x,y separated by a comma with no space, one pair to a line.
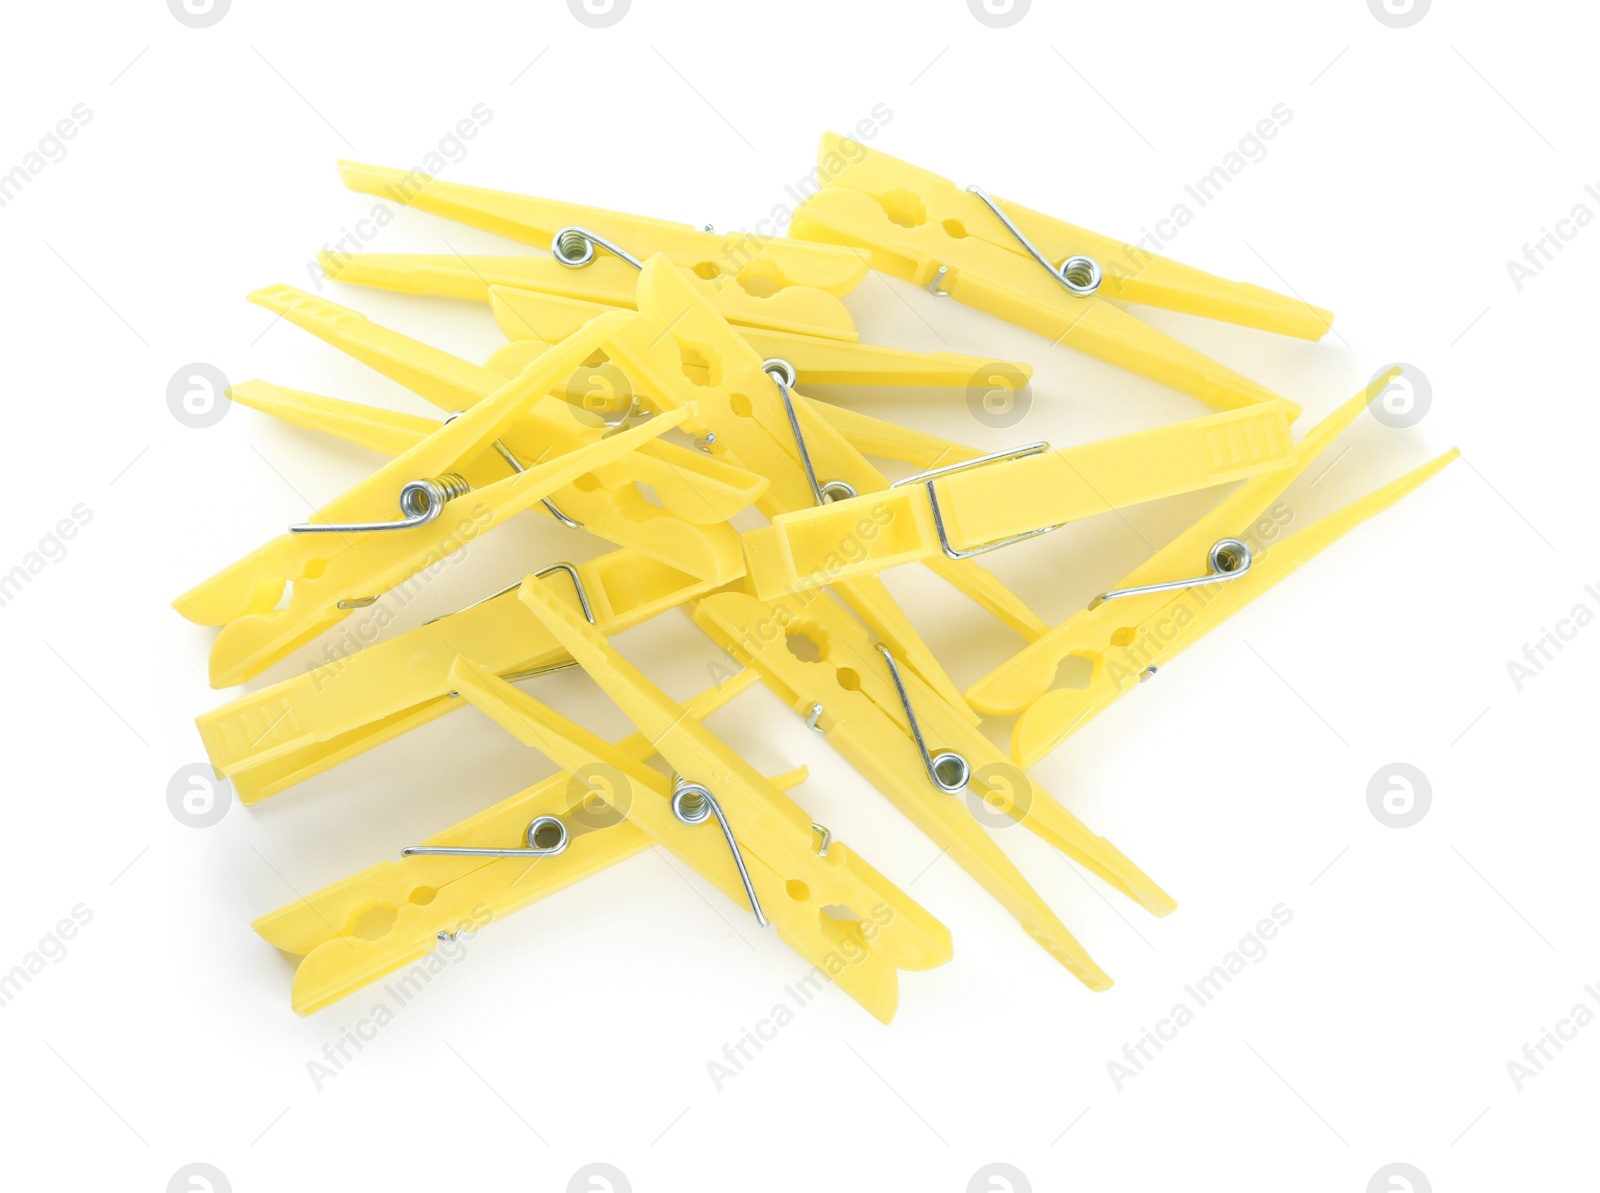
821,899
826,667
598,389
528,318
363,693
1188,588
760,281
689,483
398,521
396,913
1037,272
606,502
683,354
979,505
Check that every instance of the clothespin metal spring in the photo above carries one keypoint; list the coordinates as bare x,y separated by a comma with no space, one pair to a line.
1080,275
947,770
1228,559
574,247
694,804
421,501
782,374
546,837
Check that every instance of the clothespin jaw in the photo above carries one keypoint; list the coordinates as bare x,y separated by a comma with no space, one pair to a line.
1133,274
765,281
822,664
924,229
760,265
792,881
607,502
780,877
397,913
604,280
1128,272
1125,637
689,483
529,317
992,501
332,573
743,412
362,695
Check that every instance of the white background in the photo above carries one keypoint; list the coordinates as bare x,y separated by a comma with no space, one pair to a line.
1419,961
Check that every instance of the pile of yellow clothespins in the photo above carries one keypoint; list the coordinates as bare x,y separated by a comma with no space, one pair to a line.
651,391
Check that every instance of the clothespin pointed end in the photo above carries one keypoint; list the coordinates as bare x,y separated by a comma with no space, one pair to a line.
368,179
331,264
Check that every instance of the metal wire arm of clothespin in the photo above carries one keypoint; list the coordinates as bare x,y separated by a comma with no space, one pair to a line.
1080,275
947,770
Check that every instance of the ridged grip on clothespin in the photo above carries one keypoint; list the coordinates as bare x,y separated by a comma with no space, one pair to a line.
364,694
1012,498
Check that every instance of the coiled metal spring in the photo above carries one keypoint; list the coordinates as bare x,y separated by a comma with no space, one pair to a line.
421,501
574,246
693,803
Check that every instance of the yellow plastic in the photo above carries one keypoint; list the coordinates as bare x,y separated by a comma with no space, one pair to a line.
606,502
769,282
870,436
528,316
1122,640
363,695
914,223
737,257
1005,498
689,483
820,905
680,337
809,652
323,571
354,932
